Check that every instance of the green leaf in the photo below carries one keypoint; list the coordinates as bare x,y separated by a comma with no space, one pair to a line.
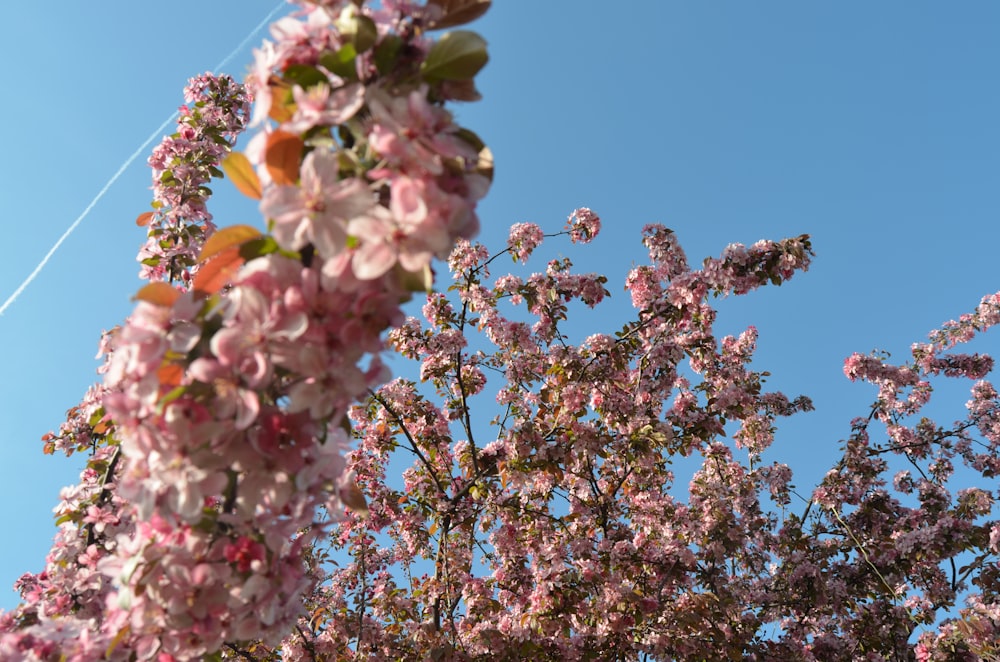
96,417
341,62
386,53
416,281
367,34
65,518
458,55
305,76
171,396
358,29
258,247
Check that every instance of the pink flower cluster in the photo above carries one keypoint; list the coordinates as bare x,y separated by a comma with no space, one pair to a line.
77,432
523,239
65,606
906,547
226,394
986,315
183,164
564,533
556,536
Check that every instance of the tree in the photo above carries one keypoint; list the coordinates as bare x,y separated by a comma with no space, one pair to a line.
555,531
226,513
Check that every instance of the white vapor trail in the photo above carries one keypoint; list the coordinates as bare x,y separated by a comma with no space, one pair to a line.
246,40
128,162
79,219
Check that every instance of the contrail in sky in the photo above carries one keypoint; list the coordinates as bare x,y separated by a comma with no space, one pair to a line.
136,154
79,219
243,44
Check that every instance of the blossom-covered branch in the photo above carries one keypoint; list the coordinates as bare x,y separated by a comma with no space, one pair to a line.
183,164
227,391
67,602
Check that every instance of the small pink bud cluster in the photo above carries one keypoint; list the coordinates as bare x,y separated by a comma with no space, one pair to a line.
183,164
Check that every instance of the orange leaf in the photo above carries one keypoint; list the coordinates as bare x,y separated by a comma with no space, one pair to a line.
235,235
120,637
214,274
170,374
283,155
352,497
145,218
158,294
281,112
282,107
316,617
238,168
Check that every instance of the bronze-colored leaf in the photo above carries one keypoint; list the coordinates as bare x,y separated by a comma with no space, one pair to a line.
158,294
457,12
237,167
218,271
283,156
228,237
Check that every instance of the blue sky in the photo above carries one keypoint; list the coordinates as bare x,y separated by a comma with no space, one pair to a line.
871,126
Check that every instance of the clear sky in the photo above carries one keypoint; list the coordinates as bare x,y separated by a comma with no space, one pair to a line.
871,126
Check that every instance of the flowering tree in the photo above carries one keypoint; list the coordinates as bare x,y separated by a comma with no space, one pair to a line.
235,505
556,530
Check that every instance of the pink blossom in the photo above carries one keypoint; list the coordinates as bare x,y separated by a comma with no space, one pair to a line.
406,233
583,225
321,106
523,239
100,518
411,132
316,211
245,553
